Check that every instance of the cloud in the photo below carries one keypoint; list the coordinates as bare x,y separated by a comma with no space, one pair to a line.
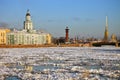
89,20
50,20
76,19
3,25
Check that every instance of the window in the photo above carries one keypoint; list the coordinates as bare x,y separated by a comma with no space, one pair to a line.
3,40
3,34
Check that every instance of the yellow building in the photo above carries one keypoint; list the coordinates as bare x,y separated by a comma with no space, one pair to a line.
3,36
48,38
113,38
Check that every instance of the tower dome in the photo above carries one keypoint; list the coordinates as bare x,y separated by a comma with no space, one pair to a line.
28,13
28,22
113,38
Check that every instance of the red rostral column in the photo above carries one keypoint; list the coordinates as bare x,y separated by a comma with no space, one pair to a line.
67,34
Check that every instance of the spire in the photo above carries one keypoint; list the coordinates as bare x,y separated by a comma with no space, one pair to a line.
106,23
28,11
106,31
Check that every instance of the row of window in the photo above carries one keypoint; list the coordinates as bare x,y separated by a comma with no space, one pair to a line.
28,25
2,40
2,34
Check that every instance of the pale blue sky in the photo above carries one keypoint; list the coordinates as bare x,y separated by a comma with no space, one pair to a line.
83,17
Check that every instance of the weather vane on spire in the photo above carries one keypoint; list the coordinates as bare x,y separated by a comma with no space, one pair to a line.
27,10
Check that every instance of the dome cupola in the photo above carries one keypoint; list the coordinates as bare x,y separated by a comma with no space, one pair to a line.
28,13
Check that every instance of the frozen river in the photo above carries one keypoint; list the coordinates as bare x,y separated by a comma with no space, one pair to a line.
60,63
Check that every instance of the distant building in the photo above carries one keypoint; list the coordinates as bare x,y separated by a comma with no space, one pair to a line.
106,31
3,33
28,36
113,38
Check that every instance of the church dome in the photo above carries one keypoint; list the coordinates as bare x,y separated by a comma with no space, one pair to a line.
113,36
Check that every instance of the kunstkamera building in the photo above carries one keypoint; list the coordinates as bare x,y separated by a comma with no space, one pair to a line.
28,36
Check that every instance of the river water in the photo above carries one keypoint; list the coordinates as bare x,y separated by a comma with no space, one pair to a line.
53,59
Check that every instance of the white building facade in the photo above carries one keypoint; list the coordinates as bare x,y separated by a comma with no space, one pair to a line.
28,36
21,38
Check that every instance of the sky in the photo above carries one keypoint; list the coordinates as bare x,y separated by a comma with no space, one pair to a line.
84,18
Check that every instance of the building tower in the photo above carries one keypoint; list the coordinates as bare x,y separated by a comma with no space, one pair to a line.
28,22
67,34
106,31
